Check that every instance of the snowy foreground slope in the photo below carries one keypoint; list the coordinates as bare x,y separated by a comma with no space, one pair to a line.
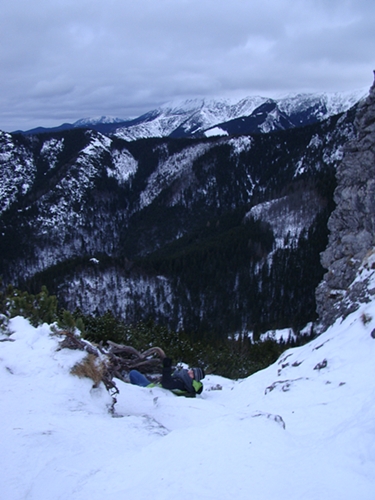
303,428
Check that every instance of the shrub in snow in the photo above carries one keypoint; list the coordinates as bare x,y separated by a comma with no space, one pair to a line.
90,367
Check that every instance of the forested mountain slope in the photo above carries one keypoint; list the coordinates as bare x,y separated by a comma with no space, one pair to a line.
211,235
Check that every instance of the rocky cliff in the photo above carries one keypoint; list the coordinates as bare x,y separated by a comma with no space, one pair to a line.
352,223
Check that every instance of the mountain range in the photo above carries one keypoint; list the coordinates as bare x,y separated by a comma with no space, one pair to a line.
212,117
218,234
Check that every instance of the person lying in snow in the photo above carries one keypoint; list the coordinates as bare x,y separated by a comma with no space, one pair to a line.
181,382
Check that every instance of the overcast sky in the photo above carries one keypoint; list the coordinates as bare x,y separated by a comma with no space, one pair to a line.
62,60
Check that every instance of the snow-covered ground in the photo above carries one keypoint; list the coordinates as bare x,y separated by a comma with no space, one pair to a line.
303,428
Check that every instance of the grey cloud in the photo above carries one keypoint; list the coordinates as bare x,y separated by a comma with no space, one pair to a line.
63,60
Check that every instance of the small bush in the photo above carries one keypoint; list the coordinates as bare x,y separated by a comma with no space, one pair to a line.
70,322
38,309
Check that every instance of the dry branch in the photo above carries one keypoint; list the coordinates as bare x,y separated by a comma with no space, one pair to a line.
117,359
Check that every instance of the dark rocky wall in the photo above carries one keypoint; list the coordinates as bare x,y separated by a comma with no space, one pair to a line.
352,223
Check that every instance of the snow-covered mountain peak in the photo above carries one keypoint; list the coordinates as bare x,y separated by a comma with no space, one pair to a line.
230,116
189,117
86,122
333,102
186,105
221,109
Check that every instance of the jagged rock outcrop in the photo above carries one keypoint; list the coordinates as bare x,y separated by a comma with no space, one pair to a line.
352,223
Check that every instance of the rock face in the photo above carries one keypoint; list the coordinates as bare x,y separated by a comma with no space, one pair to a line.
352,223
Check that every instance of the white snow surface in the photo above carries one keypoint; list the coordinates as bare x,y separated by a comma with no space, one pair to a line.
214,132
303,428
125,166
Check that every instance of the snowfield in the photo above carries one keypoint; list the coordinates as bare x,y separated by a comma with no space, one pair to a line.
301,429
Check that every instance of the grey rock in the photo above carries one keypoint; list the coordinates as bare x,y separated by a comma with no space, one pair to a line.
352,223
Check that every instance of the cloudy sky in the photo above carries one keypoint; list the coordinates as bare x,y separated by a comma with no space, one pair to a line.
62,60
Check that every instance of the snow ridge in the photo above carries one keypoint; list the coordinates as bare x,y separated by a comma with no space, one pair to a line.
85,122
208,116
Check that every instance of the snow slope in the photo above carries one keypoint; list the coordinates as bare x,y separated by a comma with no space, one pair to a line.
301,429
